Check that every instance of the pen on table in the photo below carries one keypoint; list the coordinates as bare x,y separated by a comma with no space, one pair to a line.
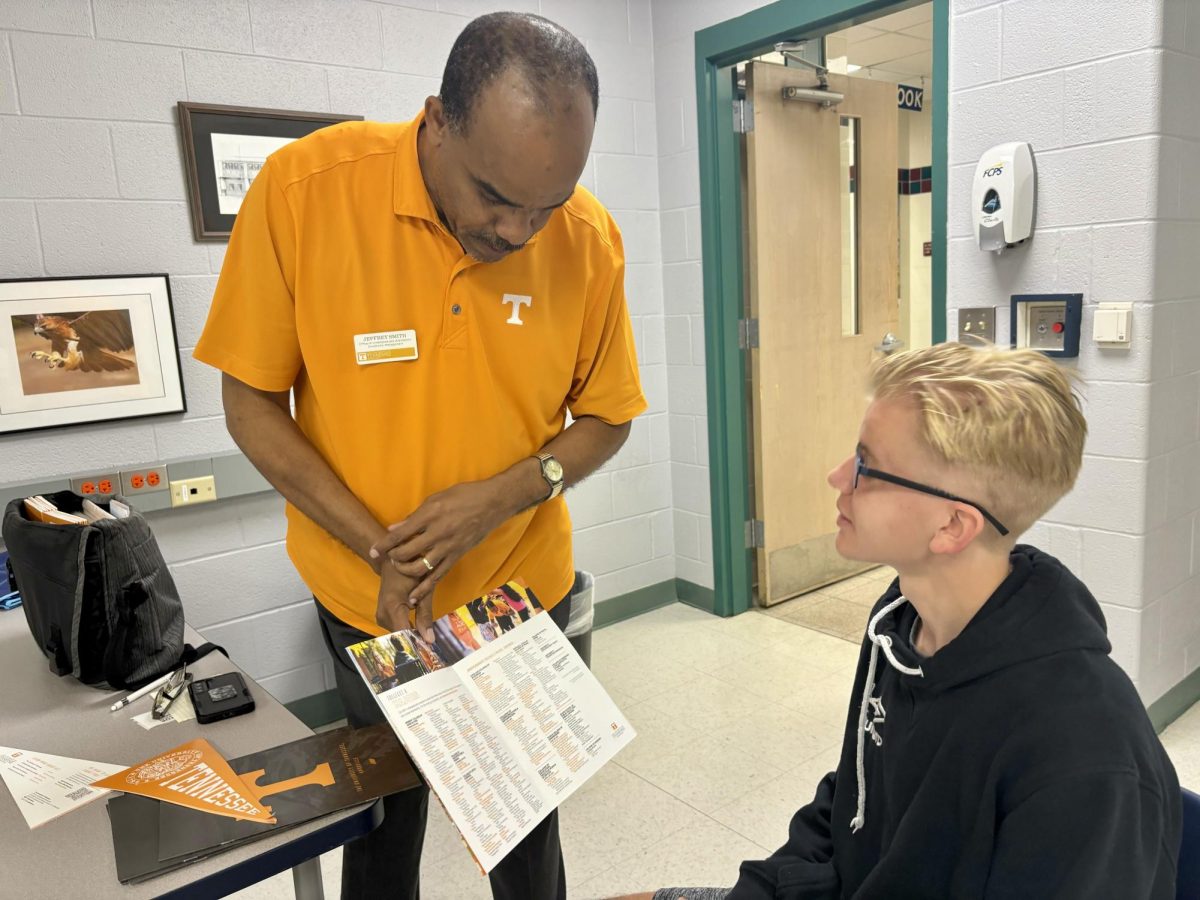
141,692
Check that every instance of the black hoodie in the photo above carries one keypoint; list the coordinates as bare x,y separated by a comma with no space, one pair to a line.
1019,763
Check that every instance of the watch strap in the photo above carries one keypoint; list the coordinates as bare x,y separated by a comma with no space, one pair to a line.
555,486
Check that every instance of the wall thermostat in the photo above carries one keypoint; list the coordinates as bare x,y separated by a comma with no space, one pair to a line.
1003,196
1112,325
1046,322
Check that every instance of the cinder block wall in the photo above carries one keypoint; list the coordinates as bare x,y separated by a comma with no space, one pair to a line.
1109,103
1110,108
92,183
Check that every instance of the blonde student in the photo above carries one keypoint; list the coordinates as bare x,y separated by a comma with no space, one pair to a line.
993,748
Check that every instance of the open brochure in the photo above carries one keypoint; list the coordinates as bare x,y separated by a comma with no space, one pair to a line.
499,714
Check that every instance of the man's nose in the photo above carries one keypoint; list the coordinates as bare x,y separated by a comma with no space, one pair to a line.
516,227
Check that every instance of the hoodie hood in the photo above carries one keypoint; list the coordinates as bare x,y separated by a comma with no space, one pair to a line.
1039,610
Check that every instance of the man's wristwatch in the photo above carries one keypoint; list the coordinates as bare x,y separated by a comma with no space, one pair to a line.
552,472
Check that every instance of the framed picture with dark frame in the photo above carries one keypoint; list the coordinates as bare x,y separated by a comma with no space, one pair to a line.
83,350
225,146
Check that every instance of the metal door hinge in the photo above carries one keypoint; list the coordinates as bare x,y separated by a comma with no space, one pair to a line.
748,333
743,116
755,534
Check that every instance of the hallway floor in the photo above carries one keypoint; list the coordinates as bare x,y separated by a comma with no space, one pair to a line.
737,721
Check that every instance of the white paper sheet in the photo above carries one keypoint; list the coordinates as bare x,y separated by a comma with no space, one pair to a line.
45,786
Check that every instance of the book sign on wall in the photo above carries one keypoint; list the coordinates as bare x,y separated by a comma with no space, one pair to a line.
910,98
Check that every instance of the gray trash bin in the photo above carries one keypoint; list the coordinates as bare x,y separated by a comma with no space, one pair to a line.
579,625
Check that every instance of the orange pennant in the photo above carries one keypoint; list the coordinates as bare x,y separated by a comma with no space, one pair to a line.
194,775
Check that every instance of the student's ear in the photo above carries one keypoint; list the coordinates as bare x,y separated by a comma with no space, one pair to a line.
961,527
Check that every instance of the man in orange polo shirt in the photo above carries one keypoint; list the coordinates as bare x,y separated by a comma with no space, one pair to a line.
437,295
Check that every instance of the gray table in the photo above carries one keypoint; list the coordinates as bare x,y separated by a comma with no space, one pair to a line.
72,856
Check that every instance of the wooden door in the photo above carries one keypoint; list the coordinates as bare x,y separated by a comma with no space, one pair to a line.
810,368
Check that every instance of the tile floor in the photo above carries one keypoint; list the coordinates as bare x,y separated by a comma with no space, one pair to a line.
737,720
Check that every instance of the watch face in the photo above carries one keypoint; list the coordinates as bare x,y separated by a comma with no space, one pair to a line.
553,469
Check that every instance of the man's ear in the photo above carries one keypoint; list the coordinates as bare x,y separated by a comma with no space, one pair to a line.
435,119
964,524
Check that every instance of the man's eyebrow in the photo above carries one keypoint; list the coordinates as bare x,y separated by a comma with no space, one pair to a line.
500,198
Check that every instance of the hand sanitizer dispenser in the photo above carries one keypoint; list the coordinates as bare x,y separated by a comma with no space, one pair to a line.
1002,196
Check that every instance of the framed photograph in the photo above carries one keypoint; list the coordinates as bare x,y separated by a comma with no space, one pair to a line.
225,146
89,349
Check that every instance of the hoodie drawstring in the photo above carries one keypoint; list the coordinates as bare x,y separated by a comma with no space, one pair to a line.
877,641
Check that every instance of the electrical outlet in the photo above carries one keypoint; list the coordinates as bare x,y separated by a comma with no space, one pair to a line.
188,491
144,480
97,487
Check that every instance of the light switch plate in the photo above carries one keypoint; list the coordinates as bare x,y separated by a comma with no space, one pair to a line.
977,325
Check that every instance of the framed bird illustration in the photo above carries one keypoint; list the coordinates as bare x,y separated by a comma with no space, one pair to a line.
87,349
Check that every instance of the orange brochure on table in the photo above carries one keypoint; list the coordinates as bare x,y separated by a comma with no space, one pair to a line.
194,775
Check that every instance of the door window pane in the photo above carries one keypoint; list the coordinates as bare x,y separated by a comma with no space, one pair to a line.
849,192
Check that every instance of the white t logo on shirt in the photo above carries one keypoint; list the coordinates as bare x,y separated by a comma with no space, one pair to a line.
517,301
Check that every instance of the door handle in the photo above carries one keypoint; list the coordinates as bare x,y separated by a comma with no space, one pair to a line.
889,344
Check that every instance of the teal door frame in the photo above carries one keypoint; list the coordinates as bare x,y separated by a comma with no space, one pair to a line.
719,48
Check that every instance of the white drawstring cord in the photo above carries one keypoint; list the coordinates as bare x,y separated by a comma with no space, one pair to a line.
885,642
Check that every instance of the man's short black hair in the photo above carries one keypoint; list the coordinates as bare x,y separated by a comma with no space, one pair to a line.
547,55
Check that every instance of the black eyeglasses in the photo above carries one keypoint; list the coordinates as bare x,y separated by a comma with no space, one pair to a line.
861,469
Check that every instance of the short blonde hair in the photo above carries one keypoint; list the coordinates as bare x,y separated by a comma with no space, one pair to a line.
1011,419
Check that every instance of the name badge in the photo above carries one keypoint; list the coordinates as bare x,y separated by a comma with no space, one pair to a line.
385,346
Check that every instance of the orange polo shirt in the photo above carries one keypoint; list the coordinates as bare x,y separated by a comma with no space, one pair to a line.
337,238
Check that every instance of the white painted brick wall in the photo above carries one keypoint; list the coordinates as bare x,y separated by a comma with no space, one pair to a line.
683,288
20,249
1032,37
90,79
417,41
1109,107
91,182
213,24
270,83
1110,111
8,84
980,31
382,96
615,129
627,182
146,157
608,21
472,8
1170,628
55,16
675,25
640,490
614,545
118,237
339,32
624,71
56,158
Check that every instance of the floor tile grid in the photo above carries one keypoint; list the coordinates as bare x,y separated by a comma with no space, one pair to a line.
737,720
720,758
